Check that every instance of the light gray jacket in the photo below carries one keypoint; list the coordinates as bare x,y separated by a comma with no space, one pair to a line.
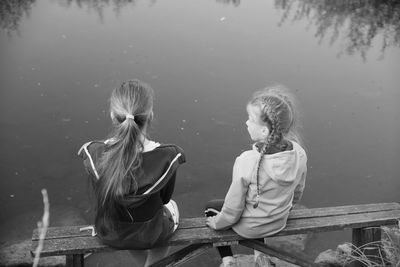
281,184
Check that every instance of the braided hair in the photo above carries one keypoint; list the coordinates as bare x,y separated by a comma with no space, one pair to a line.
279,113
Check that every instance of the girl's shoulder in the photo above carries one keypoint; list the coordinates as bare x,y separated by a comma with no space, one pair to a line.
172,147
171,150
247,158
249,155
94,149
299,149
244,165
90,152
91,147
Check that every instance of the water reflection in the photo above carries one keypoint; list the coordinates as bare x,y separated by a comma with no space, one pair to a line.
361,22
99,5
11,13
228,2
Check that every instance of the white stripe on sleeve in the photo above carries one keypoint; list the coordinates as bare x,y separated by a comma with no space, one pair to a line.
163,176
91,162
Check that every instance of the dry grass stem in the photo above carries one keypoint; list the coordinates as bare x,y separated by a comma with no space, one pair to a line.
42,227
388,249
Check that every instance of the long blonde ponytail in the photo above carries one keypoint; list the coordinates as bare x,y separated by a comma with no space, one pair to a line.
131,108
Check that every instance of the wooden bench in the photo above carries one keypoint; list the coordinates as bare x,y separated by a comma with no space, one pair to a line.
195,238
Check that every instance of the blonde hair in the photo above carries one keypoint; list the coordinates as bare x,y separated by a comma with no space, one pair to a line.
131,108
279,111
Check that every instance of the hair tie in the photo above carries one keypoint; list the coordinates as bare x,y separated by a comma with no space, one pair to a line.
129,116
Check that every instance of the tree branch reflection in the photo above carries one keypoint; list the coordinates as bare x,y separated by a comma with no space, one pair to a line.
228,2
11,13
361,22
99,5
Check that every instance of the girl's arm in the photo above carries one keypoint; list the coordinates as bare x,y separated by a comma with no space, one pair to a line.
168,189
234,203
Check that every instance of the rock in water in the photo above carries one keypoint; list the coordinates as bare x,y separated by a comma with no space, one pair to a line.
333,258
248,261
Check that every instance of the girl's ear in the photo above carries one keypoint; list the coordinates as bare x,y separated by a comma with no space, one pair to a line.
265,131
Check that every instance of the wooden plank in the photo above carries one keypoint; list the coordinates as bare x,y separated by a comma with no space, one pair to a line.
205,235
300,226
76,245
342,210
199,222
312,213
62,232
288,257
340,222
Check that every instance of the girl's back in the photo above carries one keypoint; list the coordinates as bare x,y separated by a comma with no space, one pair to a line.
133,178
279,175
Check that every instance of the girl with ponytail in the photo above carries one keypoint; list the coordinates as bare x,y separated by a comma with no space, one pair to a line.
267,180
133,178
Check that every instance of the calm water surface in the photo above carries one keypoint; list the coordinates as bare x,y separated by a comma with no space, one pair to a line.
60,60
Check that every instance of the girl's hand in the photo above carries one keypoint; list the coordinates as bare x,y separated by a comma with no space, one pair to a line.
210,222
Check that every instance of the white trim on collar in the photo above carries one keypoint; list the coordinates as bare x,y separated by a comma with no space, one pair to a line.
147,146
150,145
84,148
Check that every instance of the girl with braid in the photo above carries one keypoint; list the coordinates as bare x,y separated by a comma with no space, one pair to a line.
267,180
133,177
